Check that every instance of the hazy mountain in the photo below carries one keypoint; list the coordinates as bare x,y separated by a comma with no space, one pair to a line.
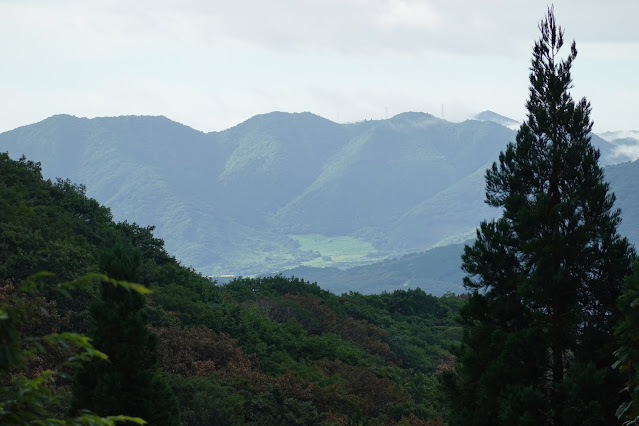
279,190
154,171
610,154
624,180
456,210
625,144
620,134
437,270
496,118
389,167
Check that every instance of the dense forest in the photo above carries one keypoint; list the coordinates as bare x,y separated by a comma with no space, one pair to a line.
100,325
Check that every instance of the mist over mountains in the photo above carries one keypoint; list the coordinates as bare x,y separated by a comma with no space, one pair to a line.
497,118
282,190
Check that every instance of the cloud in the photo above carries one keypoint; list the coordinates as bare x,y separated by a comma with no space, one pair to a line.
347,26
352,26
626,152
496,27
395,14
211,61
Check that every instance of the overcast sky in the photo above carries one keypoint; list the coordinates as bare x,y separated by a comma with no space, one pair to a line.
211,64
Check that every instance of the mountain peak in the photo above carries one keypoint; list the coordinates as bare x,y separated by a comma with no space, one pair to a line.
278,117
497,118
414,118
61,118
414,115
154,119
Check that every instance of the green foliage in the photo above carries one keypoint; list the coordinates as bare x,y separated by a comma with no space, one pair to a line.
420,328
273,408
545,276
130,380
207,401
29,400
41,223
251,289
628,354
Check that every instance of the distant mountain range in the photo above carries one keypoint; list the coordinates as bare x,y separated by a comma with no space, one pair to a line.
437,270
283,190
626,144
619,135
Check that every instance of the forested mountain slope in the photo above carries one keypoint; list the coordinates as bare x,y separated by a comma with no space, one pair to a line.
229,202
272,192
624,182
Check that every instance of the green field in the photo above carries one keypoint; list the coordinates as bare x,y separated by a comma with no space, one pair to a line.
339,251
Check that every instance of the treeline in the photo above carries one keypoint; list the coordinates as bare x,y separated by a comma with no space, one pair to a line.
255,351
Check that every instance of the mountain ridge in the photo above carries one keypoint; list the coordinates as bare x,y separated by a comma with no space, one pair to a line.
240,200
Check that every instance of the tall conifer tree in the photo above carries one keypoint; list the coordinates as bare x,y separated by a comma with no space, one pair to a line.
545,276
129,383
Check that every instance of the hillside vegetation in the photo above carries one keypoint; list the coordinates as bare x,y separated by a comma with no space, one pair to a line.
255,351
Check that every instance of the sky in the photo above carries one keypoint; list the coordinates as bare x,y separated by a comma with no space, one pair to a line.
211,64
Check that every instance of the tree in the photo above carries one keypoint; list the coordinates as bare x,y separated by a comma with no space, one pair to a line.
130,381
545,276
628,354
28,399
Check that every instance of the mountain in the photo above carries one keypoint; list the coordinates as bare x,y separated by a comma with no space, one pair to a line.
388,168
496,118
623,179
625,144
454,211
610,153
279,190
620,134
438,270
155,171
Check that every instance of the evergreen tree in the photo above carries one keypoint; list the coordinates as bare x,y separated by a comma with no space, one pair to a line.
628,354
129,382
544,277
